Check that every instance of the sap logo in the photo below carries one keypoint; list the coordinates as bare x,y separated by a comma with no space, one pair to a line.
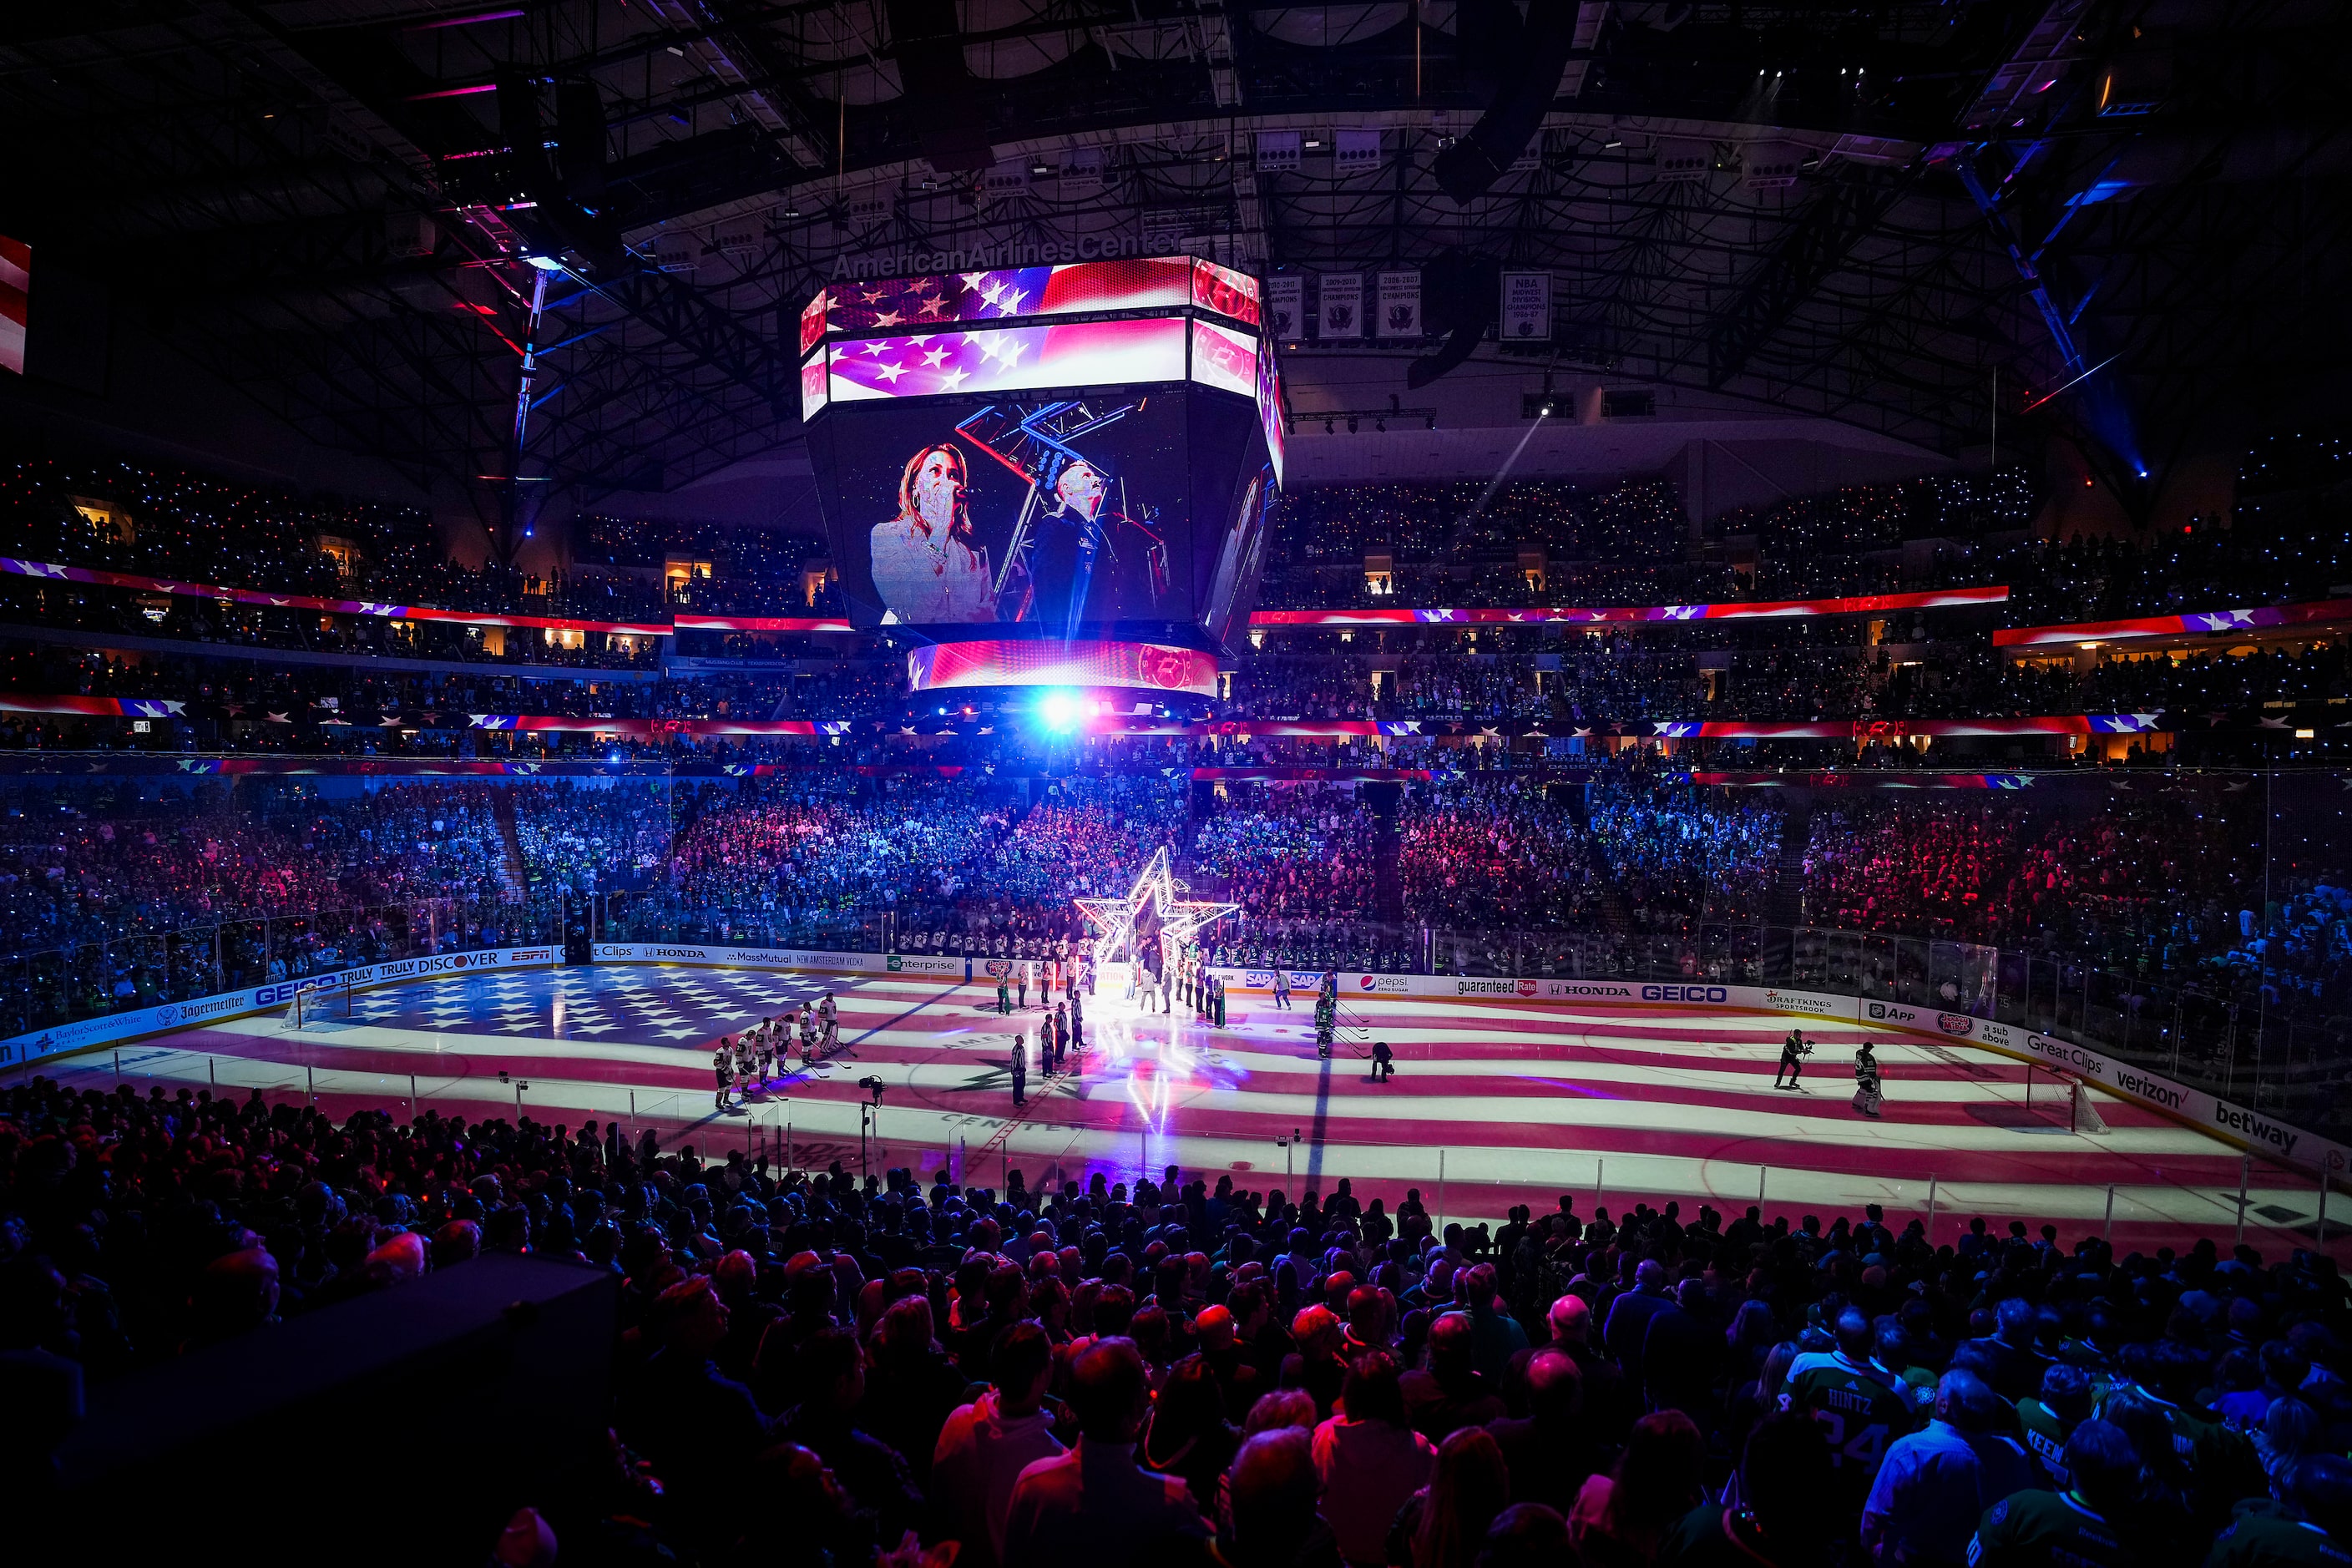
1892,1014
1955,1023
1258,979
1485,988
2169,1096
1685,993
2283,1138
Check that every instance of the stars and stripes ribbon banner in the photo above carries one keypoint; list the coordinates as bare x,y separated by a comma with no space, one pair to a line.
2201,623
94,706
59,573
1736,610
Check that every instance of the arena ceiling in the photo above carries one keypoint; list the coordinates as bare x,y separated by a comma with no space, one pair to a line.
1859,212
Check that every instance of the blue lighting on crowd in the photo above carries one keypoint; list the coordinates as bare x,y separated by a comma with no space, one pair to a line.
1059,711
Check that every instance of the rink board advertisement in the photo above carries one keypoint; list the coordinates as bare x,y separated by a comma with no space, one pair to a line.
116,1027
2226,1119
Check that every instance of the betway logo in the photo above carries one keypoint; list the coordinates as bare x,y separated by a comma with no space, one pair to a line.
2154,1091
2255,1129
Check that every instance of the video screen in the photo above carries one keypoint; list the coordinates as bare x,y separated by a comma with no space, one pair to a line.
1039,510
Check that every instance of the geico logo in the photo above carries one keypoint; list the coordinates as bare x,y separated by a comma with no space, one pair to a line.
1685,993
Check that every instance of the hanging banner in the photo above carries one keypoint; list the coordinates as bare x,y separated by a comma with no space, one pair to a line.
1400,304
1353,151
1526,306
1342,310
1277,151
1286,306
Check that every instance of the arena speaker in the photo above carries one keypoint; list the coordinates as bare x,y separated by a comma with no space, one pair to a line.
928,42
528,176
1524,61
1461,296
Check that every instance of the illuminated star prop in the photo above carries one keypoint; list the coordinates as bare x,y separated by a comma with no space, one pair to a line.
1156,888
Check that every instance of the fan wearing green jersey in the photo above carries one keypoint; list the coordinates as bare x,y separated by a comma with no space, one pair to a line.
1859,1406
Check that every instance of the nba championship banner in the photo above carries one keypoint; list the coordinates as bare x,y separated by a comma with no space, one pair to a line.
1400,304
1339,312
1006,662
1286,306
2204,622
1733,610
53,572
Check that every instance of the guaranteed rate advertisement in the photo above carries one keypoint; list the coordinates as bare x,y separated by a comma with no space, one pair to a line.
1043,511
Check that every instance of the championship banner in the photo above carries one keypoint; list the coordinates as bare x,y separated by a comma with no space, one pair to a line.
2204,622
1526,306
1340,314
1286,306
1736,610
1400,304
57,573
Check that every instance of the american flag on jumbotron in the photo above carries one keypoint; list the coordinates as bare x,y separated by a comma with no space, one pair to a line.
995,294
1009,359
15,288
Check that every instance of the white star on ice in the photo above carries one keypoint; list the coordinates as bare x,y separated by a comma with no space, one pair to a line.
1156,888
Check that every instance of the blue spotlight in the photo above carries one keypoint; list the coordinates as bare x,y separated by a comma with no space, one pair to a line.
1059,711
